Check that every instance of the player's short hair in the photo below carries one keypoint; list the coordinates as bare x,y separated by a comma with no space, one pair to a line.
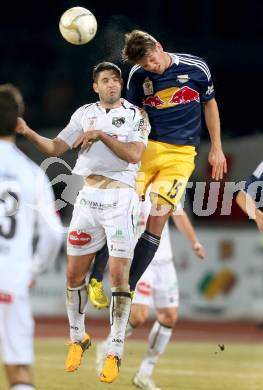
137,44
11,106
105,66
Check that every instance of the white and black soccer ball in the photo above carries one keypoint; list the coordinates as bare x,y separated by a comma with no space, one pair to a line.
78,25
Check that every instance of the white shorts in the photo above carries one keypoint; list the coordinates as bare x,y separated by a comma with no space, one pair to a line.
158,287
102,215
16,331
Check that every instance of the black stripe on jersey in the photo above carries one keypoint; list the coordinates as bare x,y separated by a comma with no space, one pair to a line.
134,112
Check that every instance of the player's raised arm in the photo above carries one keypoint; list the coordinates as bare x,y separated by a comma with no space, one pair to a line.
51,147
216,155
185,226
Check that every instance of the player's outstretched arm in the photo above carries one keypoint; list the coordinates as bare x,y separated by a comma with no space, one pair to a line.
216,155
247,204
185,226
52,147
128,151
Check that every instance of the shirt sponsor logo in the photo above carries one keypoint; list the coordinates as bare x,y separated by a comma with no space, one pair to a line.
79,238
97,205
172,97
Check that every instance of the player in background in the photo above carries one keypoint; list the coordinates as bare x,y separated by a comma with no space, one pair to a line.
174,89
157,288
26,199
113,135
249,198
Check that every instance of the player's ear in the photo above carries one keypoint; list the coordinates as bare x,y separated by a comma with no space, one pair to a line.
121,81
159,47
95,87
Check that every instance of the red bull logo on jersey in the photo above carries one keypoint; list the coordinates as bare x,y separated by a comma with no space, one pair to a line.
172,97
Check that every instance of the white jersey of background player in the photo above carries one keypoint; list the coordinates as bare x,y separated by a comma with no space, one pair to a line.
26,199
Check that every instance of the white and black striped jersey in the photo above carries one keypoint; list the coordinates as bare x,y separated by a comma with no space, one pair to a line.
126,123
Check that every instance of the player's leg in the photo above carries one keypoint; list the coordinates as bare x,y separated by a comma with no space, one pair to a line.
139,313
85,238
175,164
76,303
19,376
165,297
16,334
119,314
97,295
120,231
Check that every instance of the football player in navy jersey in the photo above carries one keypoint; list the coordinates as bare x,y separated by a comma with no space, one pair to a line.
174,89
251,198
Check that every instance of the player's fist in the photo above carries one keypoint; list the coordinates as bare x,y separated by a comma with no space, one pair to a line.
21,126
199,250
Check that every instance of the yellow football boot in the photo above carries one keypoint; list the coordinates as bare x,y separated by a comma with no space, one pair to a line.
75,353
110,369
97,295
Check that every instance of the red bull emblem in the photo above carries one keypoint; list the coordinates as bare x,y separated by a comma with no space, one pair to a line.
153,101
171,97
185,95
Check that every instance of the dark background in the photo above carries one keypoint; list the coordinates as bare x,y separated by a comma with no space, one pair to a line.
55,76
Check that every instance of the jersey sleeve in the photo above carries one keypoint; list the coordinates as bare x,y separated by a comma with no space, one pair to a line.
207,91
140,128
74,128
133,90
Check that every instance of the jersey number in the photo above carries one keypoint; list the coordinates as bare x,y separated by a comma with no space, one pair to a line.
8,222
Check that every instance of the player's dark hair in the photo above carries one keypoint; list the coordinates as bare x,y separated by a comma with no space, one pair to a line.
11,106
137,44
105,66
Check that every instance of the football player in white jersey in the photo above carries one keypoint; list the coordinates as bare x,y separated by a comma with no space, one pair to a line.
112,134
248,199
26,198
157,288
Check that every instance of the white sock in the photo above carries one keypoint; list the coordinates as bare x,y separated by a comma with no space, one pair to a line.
119,314
76,302
106,343
22,387
158,339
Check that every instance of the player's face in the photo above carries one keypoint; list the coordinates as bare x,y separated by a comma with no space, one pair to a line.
108,86
156,61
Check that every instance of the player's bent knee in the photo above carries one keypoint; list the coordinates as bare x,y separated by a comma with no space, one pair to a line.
139,314
168,319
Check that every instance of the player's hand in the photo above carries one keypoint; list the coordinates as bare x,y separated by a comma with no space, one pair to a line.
199,250
217,159
21,126
32,284
87,139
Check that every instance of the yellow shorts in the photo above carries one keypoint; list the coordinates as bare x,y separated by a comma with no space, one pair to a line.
168,168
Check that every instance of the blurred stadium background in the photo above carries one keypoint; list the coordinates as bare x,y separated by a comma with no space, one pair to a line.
221,298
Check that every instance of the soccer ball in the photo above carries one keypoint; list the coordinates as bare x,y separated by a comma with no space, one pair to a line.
78,25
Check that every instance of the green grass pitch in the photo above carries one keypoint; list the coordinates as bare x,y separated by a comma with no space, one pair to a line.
184,366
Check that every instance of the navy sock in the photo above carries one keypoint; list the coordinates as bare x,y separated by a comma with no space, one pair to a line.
100,263
144,252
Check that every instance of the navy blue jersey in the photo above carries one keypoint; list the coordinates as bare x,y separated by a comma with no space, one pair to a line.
173,99
254,184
